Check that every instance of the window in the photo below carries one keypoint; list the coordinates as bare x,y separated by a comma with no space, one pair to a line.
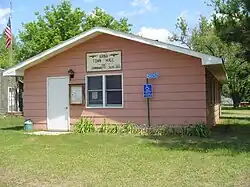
95,90
216,92
104,91
209,90
12,99
212,90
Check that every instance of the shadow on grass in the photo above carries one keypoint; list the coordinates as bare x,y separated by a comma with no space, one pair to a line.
14,128
232,108
237,118
234,112
234,139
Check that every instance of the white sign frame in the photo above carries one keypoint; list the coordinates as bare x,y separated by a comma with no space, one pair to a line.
104,61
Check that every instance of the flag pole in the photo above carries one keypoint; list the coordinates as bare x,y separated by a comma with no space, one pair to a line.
10,63
11,43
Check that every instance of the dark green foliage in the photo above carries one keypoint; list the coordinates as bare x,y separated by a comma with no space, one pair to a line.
100,18
201,130
62,22
5,53
204,38
232,22
187,131
58,24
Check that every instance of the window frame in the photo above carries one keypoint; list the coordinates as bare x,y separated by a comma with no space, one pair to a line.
213,90
103,75
11,94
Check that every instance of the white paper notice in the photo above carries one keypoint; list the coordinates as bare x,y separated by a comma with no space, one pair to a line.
94,95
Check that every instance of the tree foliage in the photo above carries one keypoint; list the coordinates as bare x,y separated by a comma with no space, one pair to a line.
100,18
5,61
4,57
59,23
232,22
203,38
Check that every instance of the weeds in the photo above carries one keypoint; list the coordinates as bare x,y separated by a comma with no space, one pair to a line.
85,125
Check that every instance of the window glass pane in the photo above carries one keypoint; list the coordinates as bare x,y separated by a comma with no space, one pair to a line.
113,82
114,97
95,98
95,83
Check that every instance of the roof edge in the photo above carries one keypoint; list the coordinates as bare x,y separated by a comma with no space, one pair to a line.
205,59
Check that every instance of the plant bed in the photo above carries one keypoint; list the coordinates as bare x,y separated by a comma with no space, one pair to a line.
86,125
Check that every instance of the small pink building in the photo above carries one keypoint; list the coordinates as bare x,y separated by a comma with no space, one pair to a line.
100,74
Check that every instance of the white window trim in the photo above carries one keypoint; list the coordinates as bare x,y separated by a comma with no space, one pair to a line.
103,90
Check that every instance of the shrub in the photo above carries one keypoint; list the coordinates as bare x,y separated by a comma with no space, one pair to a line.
161,131
84,125
201,130
187,130
103,128
113,129
129,128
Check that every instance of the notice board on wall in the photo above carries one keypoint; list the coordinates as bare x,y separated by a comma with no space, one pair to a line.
76,94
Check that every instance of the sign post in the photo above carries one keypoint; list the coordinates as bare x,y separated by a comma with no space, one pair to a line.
148,93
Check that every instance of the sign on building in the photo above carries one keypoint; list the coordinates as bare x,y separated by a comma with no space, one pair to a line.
147,91
104,61
152,75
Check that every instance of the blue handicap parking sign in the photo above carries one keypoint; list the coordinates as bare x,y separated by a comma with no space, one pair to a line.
147,91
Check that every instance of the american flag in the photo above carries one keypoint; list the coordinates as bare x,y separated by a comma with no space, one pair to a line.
8,34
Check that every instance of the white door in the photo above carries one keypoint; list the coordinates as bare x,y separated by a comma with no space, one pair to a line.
58,103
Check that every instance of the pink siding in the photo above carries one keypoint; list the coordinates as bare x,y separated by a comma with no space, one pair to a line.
179,92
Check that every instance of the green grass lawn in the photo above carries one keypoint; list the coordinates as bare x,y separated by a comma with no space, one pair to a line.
126,160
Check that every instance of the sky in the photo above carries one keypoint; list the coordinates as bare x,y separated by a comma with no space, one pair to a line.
154,19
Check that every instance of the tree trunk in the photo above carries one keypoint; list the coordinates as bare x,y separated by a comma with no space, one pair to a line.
236,99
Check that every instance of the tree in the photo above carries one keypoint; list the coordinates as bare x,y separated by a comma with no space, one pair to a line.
60,23
100,18
203,38
232,22
5,53
4,57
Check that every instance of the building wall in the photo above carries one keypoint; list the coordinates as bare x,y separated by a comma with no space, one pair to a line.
213,99
179,93
5,82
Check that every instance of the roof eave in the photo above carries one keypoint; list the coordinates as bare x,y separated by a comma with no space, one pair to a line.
15,70
18,69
